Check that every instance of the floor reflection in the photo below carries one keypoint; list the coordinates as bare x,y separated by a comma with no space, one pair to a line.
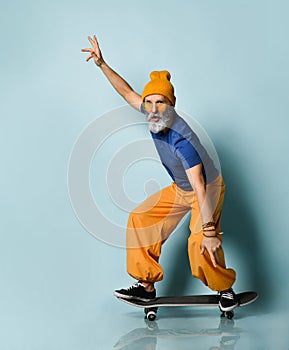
226,335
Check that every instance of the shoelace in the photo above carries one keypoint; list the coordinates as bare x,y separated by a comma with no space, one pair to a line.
135,285
227,295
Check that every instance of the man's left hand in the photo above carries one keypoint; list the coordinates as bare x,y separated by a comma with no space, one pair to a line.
212,245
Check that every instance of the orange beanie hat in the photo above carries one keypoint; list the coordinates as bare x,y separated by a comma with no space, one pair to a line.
160,84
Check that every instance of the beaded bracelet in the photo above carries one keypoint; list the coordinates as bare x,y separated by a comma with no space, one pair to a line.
208,224
216,235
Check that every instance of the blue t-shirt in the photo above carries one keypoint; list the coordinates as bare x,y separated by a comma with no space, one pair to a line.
179,149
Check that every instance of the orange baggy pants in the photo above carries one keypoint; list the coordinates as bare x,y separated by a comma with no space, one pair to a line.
151,223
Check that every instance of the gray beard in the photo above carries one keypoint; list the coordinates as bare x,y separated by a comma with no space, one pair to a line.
163,122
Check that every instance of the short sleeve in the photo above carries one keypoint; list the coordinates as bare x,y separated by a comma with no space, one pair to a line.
187,153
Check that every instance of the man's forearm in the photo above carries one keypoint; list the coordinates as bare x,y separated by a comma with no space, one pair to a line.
119,84
197,182
204,203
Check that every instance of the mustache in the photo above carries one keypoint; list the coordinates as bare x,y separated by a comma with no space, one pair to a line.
165,118
154,115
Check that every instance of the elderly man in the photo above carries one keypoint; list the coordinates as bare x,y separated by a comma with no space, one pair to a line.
197,187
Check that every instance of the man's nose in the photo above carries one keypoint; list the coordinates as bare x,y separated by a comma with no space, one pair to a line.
154,108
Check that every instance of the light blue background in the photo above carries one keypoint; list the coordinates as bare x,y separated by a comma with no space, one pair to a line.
229,65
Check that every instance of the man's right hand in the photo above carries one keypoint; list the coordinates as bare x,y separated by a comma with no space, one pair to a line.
95,52
120,85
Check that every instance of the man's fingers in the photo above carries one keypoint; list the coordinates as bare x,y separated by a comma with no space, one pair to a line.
213,258
89,57
217,255
90,40
93,41
87,50
213,252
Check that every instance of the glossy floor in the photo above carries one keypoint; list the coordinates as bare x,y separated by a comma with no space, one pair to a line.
110,324
188,328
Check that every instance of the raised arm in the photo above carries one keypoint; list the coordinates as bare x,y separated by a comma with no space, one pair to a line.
120,85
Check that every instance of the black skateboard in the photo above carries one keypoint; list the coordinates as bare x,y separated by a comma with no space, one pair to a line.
151,307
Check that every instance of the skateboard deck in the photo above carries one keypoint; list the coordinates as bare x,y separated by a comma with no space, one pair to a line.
151,307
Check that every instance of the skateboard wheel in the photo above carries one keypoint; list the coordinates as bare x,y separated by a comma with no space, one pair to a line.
151,315
229,314
148,309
